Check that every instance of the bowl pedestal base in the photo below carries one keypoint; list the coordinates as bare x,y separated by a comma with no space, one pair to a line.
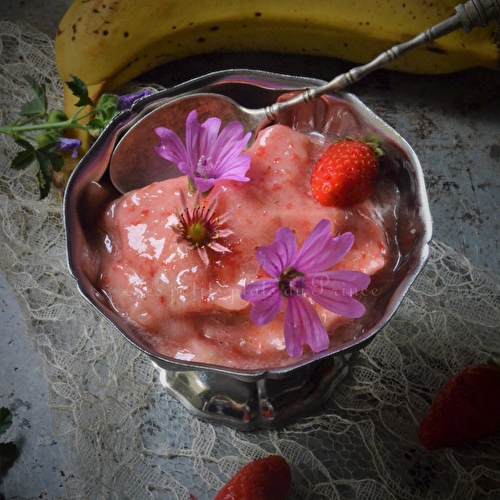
248,403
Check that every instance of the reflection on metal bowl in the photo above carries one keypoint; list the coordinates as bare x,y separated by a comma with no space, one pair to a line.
245,399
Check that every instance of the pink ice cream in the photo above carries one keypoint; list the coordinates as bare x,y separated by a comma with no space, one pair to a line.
188,311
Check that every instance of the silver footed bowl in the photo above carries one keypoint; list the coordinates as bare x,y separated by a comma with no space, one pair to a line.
261,398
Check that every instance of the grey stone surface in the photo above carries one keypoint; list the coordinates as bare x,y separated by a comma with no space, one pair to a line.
44,15
38,473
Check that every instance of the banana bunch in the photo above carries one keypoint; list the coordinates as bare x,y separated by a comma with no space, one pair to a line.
107,43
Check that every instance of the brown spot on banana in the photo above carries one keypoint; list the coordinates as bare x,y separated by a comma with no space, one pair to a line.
436,50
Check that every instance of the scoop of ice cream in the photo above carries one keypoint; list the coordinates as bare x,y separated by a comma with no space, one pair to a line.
188,309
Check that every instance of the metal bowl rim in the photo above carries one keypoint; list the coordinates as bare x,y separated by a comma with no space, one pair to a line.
267,80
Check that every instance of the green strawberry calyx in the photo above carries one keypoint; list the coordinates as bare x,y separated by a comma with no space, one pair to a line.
373,141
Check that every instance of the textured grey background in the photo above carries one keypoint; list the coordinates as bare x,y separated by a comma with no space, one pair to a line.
452,122
39,473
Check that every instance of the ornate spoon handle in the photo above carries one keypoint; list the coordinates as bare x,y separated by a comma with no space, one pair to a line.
473,13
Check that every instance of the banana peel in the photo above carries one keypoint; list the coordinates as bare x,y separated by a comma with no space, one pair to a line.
107,43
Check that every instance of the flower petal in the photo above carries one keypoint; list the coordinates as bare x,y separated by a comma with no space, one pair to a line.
302,324
184,168
333,290
266,299
259,290
280,254
202,252
217,247
203,185
234,169
230,143
208,137
126,101
227,157
72,145
171,147
192,135
320,251
224,233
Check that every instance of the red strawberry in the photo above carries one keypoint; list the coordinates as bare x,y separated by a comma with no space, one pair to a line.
265,479
345,174
466,409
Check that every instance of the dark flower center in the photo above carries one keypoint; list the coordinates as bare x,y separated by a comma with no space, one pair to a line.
284,281
198,234
199,226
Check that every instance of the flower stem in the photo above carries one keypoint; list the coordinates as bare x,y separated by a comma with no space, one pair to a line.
12,130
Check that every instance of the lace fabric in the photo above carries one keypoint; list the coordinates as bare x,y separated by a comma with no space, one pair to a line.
124,437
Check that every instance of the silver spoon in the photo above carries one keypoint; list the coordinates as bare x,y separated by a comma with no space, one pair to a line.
132,167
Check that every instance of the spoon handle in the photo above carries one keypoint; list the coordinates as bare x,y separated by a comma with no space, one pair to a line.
473,13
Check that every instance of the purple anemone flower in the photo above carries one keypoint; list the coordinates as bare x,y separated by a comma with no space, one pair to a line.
299,274
69,145
126,101
207,155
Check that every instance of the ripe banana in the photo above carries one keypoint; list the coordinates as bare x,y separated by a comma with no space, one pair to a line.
107,43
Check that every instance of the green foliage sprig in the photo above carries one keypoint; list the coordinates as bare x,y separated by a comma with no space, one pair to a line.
8,451
45,149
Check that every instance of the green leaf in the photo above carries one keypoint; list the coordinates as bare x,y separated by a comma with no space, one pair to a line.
44,174
24,158
105,110
8,454
45,157
37,107
97,123
107,105
79,89
25,144
55,158
5,420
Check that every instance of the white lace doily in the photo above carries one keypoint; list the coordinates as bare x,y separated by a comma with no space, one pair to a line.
124,437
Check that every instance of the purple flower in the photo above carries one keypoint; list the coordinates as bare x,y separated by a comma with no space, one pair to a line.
208,155
126,101
69,145
304,273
